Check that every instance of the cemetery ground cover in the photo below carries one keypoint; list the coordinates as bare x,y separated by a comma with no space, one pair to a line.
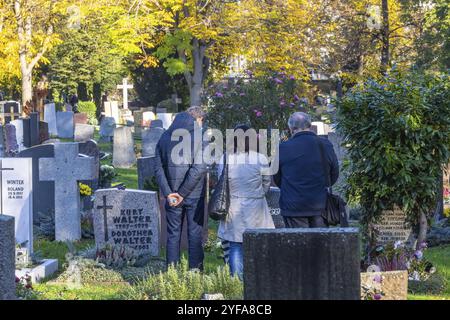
124,284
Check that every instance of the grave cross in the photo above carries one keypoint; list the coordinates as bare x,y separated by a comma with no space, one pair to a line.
105,216
125,86
66,169
1,184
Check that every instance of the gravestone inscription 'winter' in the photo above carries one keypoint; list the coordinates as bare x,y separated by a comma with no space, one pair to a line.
128,218
66,169
16,197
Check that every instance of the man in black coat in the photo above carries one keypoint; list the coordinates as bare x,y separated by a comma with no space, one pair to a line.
301,177
180,172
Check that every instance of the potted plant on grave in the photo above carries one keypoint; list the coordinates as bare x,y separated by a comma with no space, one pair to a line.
107,175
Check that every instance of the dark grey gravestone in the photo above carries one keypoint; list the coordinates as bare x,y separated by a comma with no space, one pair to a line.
146,170
43,191
34,128
128,218
273,200
66,168
150,139
107,126
7,258
90,149
27,133
302,264
123,148
341,154
64,124
44,135
2,141
11,146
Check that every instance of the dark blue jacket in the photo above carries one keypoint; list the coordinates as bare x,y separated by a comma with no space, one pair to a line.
301,176
186,178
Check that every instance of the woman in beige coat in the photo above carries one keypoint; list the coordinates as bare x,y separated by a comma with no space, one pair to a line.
249,182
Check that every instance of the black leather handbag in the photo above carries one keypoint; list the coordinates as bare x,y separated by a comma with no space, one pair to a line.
335,211
219,203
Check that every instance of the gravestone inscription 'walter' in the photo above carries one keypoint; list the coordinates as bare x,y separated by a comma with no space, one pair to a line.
127,218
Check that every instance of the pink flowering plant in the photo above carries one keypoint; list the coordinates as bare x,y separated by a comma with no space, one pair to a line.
24,288
263,102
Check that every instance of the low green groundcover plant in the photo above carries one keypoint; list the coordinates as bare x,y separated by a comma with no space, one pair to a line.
180,283
90,109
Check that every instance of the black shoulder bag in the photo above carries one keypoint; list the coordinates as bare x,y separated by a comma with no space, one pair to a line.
335,211
219,204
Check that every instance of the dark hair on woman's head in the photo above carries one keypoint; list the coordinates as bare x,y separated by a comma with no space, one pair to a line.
244,128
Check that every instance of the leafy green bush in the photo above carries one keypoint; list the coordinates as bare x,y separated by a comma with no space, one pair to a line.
397,130
90,109
180,283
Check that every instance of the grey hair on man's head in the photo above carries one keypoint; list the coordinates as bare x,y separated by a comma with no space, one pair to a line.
299,121
196,112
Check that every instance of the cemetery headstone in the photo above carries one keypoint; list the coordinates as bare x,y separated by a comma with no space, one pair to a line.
18,123
323,128
125,86
65,126
90,149
34,128
341,154
302,264
43,132
112,110
43,191
80,118
166,118
2,141
146,170
11,146
393,227
150,139
147,118
7,258
128,218
50,118
84,132
273,200
123,148
16,197
66,169
107,127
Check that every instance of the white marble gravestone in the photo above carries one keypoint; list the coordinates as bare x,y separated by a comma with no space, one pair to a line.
112,110
66,169
123,148
166,118
19,133
50,118
17,197
127,218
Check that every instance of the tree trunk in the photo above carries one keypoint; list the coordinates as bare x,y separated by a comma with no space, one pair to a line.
196,95
423,228
385,53
27,92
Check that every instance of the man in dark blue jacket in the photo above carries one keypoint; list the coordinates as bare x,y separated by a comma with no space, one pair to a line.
301,175
180,172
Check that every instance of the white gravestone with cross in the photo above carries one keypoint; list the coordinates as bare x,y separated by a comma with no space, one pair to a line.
17,198
125,86
66,169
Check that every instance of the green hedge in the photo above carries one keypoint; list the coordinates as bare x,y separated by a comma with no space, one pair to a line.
90,109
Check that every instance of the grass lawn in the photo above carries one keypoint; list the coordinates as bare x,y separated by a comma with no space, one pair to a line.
439,256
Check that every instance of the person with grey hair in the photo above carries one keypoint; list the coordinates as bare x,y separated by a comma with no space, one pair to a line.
301,176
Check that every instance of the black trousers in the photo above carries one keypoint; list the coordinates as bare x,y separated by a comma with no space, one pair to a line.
305,222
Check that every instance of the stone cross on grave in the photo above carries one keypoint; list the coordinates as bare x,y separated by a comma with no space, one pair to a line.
1,184
66,169
125,86
105,216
